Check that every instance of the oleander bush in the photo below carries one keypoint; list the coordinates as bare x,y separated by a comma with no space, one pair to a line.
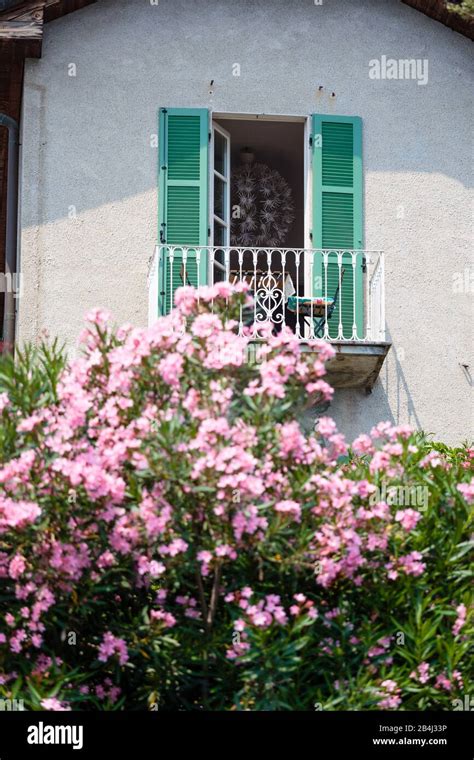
170,538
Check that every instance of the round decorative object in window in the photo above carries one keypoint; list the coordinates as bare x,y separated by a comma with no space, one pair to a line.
262,205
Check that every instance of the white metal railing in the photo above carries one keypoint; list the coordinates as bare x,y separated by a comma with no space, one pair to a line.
335,294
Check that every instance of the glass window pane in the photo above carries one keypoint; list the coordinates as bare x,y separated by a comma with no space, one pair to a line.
219,272
219,234
220,156
220,198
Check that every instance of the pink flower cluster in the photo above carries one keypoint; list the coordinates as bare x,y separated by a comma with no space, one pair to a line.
408,518
461,611
17,514
443,681
166,450
423,674
112,645
380,649
389,695
262,614
52,703
410,564
467,490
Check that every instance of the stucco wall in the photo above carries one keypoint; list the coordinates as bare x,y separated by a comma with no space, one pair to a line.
88,198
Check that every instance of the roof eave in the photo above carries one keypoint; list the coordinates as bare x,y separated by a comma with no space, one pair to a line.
436,9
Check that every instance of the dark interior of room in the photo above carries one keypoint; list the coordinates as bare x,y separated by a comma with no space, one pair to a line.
280,146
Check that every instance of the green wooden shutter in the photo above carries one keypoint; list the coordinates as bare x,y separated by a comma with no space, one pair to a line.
182,199
337,213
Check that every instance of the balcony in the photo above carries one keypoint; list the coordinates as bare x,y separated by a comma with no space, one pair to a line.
335,295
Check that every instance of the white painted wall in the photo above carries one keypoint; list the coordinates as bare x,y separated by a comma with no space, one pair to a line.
86,150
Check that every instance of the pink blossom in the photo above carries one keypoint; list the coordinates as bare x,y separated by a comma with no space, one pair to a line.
390,696
16,514
261,619
379,462
17,566
98,317
152,568
175,547
320,386
171,368
363,445
51,703
185,299
289,507
467,490
106,559
461,611
326,426
17,640
224,550
422,673
205,558
113,645
206,325
168,619
433,459
411,563
29,423
408,518
443,682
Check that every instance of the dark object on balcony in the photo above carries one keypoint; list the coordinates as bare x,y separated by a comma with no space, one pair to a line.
315,310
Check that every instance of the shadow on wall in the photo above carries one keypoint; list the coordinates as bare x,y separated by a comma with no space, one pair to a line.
355,412
404,400
354,418
467,371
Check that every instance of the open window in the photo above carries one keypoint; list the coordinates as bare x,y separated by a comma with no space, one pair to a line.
267,228
235,203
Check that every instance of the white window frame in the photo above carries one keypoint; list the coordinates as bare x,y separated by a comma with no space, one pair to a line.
213,173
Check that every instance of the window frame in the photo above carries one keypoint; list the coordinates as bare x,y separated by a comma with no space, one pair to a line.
213,174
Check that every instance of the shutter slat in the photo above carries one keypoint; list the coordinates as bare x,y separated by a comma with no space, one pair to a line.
184,147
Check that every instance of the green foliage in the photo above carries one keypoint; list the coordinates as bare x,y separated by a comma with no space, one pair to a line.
464,9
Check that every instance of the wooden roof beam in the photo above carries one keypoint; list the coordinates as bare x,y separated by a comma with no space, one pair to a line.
55,9
25,30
